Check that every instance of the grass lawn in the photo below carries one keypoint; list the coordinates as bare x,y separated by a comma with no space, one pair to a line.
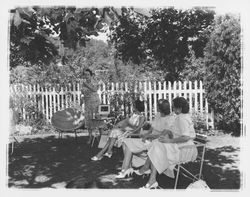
44,161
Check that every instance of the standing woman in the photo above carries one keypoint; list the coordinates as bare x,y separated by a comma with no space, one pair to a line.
91,100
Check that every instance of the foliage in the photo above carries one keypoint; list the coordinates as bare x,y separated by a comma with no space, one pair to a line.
223,71
22,103
40,34
122,101
97,55
199,120
43,34
165,37
128,36
194,68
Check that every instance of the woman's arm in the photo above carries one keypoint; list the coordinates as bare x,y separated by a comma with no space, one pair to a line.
153,136
90,86
123,123
147,135
181,139
141,124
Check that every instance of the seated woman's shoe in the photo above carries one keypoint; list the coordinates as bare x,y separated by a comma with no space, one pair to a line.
109,155
95,158
152,186
124,174
147,172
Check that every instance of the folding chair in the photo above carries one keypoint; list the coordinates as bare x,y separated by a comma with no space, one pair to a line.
199,143
13,140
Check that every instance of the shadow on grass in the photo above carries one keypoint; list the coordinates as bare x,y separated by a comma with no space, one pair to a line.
50,162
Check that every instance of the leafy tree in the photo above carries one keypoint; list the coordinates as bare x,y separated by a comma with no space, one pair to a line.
223,71
41,34
194,68
128,36
165,37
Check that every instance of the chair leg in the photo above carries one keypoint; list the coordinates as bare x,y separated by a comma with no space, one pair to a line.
75,136
202,160
93,140
177,176
16,140
12,147
59,134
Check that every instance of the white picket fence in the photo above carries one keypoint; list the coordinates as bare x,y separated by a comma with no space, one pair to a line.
51,99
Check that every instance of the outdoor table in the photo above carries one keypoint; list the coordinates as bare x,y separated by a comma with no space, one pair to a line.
100,123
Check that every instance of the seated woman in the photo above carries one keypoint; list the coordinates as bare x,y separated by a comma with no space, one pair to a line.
161,123
165,152
132,124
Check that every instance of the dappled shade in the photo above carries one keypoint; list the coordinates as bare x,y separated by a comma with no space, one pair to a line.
50,162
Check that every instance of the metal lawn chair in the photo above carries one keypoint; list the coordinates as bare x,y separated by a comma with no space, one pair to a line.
67,121
200,143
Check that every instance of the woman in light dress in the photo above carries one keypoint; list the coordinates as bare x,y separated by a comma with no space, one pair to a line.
161,125
123,129
91,100
165,152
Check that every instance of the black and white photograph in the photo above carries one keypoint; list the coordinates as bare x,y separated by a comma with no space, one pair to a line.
135,95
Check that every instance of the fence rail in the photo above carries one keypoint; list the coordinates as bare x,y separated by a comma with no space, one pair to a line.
48,100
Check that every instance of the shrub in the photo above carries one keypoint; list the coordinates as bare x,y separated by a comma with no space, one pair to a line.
199,120
27,112
223,70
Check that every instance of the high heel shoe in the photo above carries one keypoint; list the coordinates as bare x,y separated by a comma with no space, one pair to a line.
152,186
124,174
109,155
95,158
147,172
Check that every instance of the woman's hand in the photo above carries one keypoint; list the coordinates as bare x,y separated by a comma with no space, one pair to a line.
144,137
164,139
84,82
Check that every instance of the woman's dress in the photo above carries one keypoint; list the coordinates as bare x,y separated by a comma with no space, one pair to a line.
165,156
91,103
138,147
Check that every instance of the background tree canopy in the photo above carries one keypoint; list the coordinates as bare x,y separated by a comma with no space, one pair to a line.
41,34
165,36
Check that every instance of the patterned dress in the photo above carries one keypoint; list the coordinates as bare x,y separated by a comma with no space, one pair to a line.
91,103
129,125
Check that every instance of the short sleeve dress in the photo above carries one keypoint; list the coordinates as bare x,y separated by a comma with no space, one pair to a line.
131,124
164,156
138,147
91,103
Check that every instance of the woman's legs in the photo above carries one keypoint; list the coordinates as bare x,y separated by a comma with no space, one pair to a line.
90,136
152,178
145,167
111,145
127,158
104,148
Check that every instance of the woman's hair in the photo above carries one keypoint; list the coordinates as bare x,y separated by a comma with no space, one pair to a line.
164,106
87,70
180,102
139,105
